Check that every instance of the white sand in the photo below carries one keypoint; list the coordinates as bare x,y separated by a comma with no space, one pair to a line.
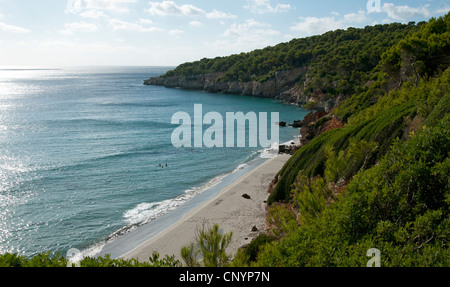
228,209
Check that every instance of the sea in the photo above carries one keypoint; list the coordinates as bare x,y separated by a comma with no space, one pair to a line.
87,161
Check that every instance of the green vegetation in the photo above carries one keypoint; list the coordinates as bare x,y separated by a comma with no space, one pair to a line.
382,180
338,62
379,182
400,207
211,246
47,260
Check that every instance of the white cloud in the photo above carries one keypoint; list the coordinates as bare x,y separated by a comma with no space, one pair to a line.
176,32
405,12
442,11
315,25
360,17
95,9
195,23
219,15
250,29
320,25
79,6
71,28
264,6
117,25
246,36
166,8
13,29
93,14
243,37
145,21
171,8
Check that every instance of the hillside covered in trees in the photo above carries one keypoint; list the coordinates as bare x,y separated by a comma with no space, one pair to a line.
318,69
382,180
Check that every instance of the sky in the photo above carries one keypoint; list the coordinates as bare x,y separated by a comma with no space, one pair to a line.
58,33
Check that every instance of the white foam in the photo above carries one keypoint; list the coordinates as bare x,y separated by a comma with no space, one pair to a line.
270,152
89,252
146,212
241,167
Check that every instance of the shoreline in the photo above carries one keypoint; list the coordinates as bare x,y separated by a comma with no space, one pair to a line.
228,209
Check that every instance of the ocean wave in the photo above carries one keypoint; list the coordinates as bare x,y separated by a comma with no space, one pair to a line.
271,152
241,167
146,212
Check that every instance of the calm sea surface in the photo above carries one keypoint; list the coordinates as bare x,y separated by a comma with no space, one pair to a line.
81,148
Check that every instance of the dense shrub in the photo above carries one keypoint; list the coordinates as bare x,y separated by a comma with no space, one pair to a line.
400,207
47,260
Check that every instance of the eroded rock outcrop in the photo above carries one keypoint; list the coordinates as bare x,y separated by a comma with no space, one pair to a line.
281,82
317,123
287,86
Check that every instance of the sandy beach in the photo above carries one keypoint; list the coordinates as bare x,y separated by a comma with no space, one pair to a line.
228,209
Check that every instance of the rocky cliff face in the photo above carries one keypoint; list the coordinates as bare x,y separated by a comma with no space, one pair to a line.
297,95
272,88
284,85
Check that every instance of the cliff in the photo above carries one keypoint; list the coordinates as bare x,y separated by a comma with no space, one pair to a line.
274,87
284,85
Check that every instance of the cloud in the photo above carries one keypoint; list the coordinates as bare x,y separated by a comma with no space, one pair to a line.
405,12
166,8
315,25
93,14
13,29
71,28
171,8
246,36
360,17
195,23
145,21
176,32
94,8
264,6
219,15
250,29
444,10
118,25
320,25
243,37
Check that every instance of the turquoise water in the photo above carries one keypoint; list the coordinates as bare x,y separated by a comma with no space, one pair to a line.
81,148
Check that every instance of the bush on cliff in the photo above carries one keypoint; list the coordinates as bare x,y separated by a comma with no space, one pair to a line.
396,196
400,207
